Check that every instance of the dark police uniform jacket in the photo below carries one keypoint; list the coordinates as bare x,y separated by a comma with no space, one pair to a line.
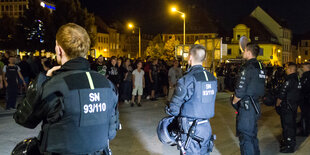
251,80
290,91
78,108
305,81
195,94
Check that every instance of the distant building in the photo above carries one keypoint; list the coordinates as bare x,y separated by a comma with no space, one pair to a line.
16,8
304,49
271,49
283,34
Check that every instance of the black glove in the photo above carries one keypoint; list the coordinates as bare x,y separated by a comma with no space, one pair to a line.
235,106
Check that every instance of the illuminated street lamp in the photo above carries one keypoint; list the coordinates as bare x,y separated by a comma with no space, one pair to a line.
131,26
173,9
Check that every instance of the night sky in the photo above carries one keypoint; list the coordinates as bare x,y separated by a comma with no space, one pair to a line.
153,15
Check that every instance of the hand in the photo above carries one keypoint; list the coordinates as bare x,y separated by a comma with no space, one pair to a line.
278,102
6,84
50,72
236,100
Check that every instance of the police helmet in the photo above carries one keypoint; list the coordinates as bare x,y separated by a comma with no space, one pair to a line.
28,146
163,133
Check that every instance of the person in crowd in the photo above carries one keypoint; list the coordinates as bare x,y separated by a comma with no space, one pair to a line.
147,66
126,84
138,82
67,127
250,87
174,74
153,75
113,72
25,71
220,73
163,76
100,66
11,73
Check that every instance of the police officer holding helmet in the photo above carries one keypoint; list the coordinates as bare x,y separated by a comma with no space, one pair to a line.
78,107
289,96
193,105
249,88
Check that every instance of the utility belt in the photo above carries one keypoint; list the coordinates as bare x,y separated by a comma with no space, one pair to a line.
248,101
188,126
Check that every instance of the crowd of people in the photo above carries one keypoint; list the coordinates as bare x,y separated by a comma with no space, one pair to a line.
150,78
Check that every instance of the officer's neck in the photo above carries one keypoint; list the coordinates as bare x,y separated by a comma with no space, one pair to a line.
196,64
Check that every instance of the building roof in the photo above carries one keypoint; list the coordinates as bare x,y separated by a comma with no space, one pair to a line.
257,29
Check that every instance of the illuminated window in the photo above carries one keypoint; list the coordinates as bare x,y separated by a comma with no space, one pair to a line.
256,38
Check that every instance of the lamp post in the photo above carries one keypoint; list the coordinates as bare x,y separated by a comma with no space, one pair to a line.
183,16
131,26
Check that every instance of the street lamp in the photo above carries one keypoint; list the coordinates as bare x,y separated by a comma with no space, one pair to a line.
173,9
131,26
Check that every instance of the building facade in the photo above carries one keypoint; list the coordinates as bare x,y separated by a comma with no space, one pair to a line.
303,51
283,34
270,48
16,8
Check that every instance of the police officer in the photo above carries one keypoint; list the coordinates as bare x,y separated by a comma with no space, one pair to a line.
193,104
305,106
249,88
78,106
288,100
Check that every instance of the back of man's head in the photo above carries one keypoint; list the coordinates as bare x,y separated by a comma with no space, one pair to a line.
253,48
74,40
198,53
292,66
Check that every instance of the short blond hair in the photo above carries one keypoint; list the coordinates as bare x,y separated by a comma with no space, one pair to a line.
74,40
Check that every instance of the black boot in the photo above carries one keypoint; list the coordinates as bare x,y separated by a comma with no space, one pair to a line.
288,146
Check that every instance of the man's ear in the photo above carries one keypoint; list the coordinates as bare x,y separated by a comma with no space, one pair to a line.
61,51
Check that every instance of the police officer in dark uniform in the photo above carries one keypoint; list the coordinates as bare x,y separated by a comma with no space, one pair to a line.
78,106
305,106
193,105
249,88
288,100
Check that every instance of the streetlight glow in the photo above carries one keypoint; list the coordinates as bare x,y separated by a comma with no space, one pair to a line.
299,57
173,9
183,16
130,25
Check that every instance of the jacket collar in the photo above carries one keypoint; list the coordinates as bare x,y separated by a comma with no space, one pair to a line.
74,64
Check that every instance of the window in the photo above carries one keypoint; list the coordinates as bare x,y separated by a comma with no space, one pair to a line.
306,43
227,38
229,52
261,52
238,37
306,52
256,38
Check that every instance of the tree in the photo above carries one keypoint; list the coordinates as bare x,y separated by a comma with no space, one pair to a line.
158,49
169,48
35,30
70,11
